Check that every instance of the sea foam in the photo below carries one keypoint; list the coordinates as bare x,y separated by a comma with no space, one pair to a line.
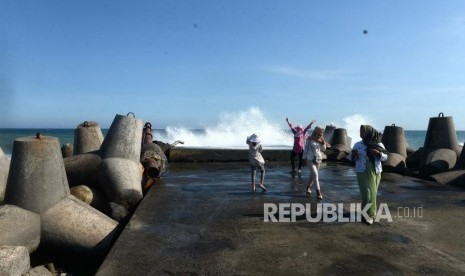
232,129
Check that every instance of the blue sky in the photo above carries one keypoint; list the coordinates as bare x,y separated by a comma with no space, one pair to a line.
184,63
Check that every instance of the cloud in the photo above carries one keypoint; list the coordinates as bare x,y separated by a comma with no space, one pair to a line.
306,74
413,90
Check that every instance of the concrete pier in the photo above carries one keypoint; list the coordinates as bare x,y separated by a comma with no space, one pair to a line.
180,154
204,220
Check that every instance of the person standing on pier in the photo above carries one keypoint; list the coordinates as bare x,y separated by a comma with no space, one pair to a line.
256,160
368,155
313,155
298,147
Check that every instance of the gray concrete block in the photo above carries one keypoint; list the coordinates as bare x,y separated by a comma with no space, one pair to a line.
19,227
121,181
14,260
88,137
4,169
75,226
124,139
37,178
83,169
39,271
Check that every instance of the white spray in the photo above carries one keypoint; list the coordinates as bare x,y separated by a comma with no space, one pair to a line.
233,128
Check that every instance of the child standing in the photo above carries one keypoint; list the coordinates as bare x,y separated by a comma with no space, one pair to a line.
297,149
314,148
256,160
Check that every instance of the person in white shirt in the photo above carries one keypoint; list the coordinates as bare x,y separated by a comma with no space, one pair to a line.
313,154
368,155
256,160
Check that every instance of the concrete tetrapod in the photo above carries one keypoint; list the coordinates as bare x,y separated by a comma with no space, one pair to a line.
328,133
440,142
455,178
340,145
438,161
395,163
87,137
67,150
441,134
38,183
340,140
122,181
4,168
120,174
14,260
395,142
413,160
19,227
123,139
37,179
83,169
92,196
73,225
461,161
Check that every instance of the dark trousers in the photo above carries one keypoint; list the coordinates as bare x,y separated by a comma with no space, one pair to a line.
293,154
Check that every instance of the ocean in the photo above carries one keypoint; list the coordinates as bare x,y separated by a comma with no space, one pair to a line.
197,137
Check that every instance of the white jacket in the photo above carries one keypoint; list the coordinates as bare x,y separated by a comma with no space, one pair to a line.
313,150
255,157
361,162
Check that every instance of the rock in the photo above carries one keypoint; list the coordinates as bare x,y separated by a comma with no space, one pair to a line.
83,193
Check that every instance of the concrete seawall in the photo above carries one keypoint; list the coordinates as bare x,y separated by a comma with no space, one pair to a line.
180,154
205,220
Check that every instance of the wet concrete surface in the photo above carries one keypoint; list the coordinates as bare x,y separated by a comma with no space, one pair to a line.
203,219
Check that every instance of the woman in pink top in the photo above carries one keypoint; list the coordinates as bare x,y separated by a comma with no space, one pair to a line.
298,148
